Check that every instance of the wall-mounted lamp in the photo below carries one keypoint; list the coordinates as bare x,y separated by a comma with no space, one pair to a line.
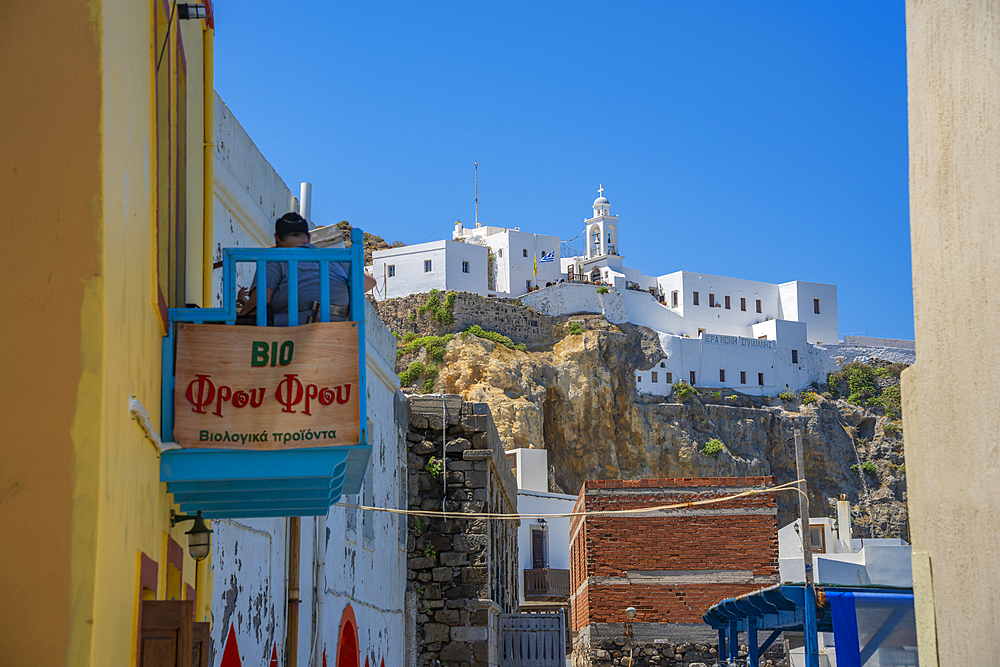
542,522
629,617
199,537
191,12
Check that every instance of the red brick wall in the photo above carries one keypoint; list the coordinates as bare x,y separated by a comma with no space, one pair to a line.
696,539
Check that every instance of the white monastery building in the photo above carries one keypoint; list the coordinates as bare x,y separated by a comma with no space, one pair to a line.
715,331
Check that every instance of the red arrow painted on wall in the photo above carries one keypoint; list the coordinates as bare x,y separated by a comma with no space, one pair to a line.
231,654
274,656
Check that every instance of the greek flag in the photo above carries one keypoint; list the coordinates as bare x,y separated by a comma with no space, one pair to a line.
549,257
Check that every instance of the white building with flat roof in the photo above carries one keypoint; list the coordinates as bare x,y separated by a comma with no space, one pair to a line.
522,260
440,265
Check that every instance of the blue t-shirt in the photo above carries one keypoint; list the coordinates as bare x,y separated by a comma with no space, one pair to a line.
277,280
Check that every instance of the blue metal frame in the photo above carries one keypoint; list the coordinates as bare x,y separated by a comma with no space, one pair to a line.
793,607
228,483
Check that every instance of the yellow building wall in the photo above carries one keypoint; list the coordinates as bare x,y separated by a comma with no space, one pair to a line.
80,495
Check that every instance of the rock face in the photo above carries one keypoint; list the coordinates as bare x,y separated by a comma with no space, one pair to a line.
577,399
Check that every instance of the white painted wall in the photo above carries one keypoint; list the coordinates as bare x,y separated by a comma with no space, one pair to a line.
533,498
411,276
797,303
510,247
357,558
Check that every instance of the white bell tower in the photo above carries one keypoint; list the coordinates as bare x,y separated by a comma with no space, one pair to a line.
602,229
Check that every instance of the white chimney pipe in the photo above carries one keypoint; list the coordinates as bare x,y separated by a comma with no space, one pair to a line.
305,201
844,525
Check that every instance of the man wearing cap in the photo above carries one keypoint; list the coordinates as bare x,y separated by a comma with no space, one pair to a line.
292,231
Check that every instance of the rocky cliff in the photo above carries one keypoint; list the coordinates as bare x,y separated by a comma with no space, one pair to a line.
577,399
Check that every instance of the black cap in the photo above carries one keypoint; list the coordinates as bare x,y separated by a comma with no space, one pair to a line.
290,223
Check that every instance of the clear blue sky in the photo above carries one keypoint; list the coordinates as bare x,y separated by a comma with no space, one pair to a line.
758,140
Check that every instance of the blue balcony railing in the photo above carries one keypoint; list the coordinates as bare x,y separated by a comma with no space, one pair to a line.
232,483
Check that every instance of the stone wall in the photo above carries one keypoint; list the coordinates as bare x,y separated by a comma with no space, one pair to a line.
506,316
660,652
461,572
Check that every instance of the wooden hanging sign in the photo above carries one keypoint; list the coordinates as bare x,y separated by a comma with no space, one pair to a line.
267,388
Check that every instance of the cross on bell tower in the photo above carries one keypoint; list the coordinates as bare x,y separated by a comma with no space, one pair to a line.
600,190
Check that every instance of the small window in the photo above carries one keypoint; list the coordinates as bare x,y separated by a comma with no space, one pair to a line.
669,378
694,298
652,377
663,364
711,300
465,267
760,379
392,270
673,298
722,375
758,306
500,252
638,378
700,332
692,377
727,302
427,266
816,306
817,535
743,377
527,285
743,303
795,356
524,252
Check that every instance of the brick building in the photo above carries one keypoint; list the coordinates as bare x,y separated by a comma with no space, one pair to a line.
671,565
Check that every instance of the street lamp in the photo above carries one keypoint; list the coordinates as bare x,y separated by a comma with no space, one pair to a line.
199,537
629,617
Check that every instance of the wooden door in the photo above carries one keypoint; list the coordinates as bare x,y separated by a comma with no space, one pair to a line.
199,644
167,633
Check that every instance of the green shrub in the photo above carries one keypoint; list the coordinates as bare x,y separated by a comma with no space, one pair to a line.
861,381
409,336
713,448
868,468
808,397
477,330
428,385
855,469
883,372
890,429
433,467
399,353
717,394
430,551
603,289
892,401
449,300
732,397
411,317
395,335
412,373
786,396
574,328
683,389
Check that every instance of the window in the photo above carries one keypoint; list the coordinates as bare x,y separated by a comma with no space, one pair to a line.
743,377
653,377
722,375
669,378
816,306
758,306
694,298
692,377
639,378
795,356
465,267
673,299
760,379
524,252
727,302
711,300
817,535
663,364
527,285
700,332
500,252
391,269
427,266
743,303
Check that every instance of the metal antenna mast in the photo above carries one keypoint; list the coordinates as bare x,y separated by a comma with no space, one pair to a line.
477,194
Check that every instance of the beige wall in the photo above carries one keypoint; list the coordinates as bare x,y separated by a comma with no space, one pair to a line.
951,410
